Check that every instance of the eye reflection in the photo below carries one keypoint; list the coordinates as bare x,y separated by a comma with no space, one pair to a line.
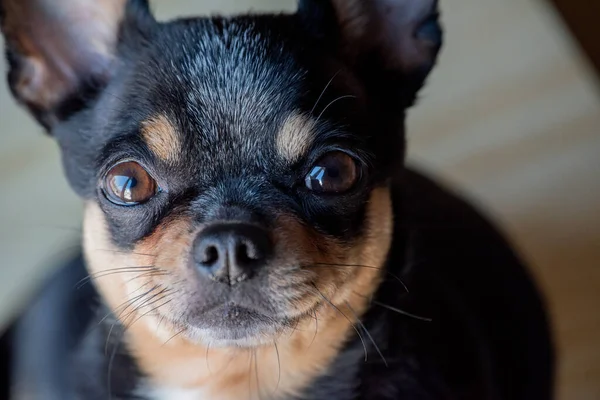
336,172
123,185
128,183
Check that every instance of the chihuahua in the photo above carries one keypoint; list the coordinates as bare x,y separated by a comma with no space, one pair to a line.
250,229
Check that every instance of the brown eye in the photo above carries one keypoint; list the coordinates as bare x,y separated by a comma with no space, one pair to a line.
128,183
336,172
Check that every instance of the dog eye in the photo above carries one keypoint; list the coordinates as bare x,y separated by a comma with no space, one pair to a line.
336,172
128,183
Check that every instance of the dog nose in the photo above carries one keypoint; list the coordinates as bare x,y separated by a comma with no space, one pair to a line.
231,252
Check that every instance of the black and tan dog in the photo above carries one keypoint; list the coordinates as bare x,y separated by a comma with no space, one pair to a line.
249,225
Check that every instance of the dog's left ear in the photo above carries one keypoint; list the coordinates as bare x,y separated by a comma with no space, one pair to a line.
385,41
61,53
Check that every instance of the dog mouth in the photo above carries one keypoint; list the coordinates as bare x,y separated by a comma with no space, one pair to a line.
234,325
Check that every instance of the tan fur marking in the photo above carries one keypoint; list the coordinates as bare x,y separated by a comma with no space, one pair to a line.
295,136
161,137
237,373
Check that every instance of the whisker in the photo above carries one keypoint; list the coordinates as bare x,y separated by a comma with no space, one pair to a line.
118,317
295,327
348,96
173,337
316,329
100,274
345,316
114,96
150,311
150,301
323,91
367,332
399,311
110,364
395,309
160,321
250,375
146,302
149,274
278,367
82,282
229,360
206,359
333,265
126,252
125,304
256,374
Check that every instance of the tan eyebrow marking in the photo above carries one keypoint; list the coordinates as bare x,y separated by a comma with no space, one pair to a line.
161,137
295,136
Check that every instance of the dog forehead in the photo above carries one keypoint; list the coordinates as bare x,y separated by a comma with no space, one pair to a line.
232,70
230,87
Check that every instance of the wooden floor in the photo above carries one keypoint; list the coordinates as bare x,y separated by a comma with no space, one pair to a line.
511,117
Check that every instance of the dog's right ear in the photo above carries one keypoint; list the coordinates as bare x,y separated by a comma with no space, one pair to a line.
61,53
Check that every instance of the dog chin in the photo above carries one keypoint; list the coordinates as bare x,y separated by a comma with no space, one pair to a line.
231,326
220,340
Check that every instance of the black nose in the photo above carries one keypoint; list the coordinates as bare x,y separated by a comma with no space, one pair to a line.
231,252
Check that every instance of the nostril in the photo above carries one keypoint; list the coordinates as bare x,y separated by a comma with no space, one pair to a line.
247,252
210,255
241,253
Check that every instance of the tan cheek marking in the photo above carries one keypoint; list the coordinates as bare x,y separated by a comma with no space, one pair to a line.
295,137
232,373
162,138
335,265
372,249
156,262
308,355
102,257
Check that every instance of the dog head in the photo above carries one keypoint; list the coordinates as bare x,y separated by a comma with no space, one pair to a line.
235,170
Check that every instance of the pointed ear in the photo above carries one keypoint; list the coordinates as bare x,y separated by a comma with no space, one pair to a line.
391,41
62,52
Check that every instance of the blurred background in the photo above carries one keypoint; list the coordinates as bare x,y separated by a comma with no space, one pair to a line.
510,118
